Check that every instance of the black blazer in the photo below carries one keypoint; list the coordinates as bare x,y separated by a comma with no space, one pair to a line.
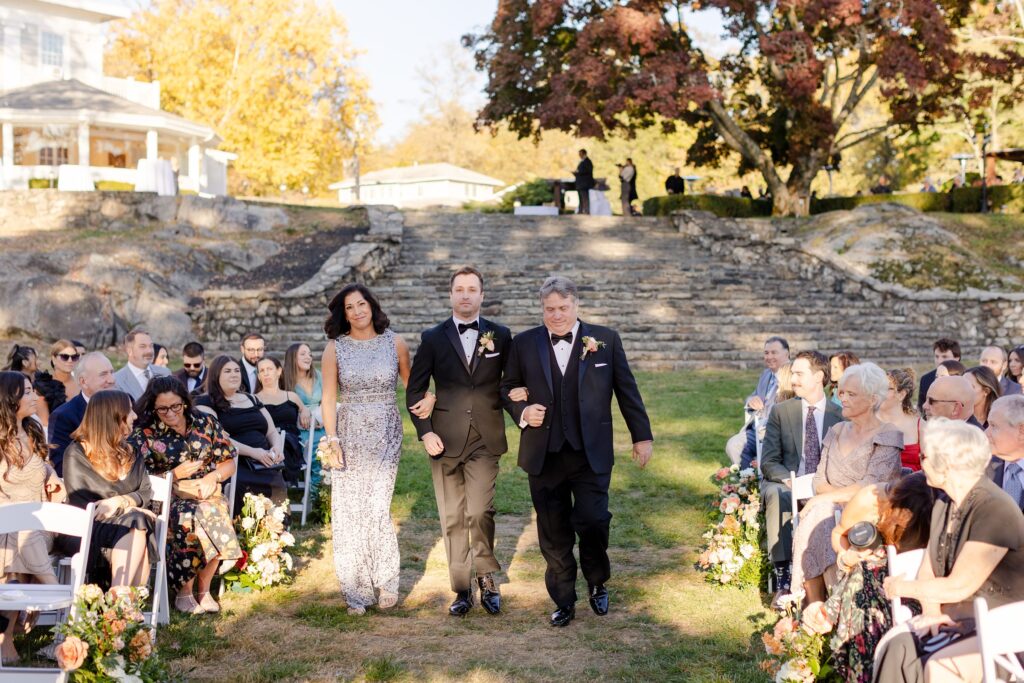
465,391
246,387
182,376
922,390
63,422
784,437
602,373
584,174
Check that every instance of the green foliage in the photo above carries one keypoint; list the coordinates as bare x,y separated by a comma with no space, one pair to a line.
41,184
382,669
114,186
933,267
1002,198
729,207
534,192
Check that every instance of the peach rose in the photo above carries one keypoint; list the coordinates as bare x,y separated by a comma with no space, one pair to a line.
117,626
71,653
141,646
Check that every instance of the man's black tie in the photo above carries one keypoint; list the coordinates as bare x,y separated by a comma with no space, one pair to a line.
468,326
555,338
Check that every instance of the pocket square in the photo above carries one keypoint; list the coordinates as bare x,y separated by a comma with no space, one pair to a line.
600,365
492,355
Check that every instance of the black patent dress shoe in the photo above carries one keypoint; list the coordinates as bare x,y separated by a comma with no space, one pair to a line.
490,598
563,615
599,600
463,602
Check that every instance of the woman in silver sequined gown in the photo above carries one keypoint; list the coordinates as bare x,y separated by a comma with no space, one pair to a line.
361,367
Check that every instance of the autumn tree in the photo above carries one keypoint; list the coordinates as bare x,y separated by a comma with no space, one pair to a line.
274,78
784,102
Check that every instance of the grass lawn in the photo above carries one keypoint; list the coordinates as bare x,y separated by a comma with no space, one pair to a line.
991,236
666,623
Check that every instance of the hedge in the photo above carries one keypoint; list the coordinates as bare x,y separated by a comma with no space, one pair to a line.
41,183
730,207
114,186
1004,198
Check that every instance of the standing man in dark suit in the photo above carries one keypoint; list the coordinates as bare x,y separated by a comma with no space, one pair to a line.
465,434
193,371
792,443
253,348
570,370
943,349
584,181
94,373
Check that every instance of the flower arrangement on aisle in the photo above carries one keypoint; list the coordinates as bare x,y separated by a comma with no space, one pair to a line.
263,539
108,638
797,651
732,554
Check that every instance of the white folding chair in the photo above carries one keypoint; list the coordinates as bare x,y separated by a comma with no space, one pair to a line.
304,486
1000,637
229,490
163,493
800,488
58,519
905,565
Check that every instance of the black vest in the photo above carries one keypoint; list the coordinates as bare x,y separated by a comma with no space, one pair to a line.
565,413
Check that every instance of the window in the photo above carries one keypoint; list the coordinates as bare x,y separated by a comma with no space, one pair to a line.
53,156
52,52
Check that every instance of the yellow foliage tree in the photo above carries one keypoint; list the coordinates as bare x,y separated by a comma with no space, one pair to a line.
274,78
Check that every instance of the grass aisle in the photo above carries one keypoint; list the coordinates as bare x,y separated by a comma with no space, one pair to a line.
666,623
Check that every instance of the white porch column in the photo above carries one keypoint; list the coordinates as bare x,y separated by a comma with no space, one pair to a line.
8,145
152,143
83,144
195,157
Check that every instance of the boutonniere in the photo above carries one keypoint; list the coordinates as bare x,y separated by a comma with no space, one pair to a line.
590,345
486,342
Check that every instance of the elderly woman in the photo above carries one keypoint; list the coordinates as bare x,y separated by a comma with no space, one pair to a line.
171,436
976,549
856,453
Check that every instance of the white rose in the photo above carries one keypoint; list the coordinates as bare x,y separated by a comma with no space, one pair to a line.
747,550
287,539
248,523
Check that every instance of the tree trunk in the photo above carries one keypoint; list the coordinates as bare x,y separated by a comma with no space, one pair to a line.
789,201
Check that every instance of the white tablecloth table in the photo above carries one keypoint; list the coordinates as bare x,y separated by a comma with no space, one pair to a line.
73,178
156,175
536,211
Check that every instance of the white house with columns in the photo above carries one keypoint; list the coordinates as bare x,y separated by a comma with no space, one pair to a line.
58,108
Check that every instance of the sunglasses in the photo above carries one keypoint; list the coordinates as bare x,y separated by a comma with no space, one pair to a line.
167,410
194,366
68,357
940,400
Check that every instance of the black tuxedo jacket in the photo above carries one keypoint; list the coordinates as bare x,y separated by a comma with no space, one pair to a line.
922,391
784,437
64,421
585,174
182,376
465,391
246,387
601,373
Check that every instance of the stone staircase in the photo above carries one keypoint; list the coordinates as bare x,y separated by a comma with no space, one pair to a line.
678,300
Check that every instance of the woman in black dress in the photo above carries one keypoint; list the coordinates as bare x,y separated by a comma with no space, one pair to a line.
100,468
60,386
251,429
286,410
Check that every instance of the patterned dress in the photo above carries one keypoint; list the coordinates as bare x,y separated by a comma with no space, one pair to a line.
198,530
370,431
312,401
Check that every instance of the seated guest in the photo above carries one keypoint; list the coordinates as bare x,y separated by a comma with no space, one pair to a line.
995,359
302,377
950,368
951,398
784,377
25,477
986,390
100,468
1006,437
22,359
785,449
193,368
133,378
286,410
1015,367
898,409
675,184
976,549
942,349
61,385
251,430
837,364
856,453
253,348
94,373
172,437
160,356
742,448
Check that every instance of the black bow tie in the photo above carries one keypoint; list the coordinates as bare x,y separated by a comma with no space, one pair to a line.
475,325
567,337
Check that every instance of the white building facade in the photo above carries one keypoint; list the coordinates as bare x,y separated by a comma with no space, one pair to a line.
418,186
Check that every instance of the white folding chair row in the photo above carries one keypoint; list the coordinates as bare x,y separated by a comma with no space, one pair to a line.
304,505
904,565
1000,637
163,493
800,488
229,493
54,518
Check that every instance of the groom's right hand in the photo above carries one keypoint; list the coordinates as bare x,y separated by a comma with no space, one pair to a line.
432,442
533,415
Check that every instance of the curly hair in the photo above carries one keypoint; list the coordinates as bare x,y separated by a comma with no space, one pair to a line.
102,434
904,379
337,323
12,454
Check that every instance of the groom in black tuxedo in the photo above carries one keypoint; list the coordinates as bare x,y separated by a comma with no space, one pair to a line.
569,370
465,434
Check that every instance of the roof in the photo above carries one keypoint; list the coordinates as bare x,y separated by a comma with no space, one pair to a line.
73,96
418,174
90,9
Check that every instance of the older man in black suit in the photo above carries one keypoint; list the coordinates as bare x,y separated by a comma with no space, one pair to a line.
570,369
94,373
1006,434
584,174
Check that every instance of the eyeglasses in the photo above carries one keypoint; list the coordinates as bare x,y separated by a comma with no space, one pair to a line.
194,366
69,357
929,399
167,410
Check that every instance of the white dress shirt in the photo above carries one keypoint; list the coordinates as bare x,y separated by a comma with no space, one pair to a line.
469,337
140,375
563,349
819,422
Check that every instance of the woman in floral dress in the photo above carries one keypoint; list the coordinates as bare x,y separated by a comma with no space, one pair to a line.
171,436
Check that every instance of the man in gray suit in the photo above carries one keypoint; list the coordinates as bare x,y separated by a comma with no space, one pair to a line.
792,443
1006,434
742,448
134,377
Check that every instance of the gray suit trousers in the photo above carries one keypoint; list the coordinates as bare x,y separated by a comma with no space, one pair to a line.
778,511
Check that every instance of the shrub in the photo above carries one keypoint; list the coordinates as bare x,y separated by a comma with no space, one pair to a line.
40,183
922,201
535,192
729,207
114,186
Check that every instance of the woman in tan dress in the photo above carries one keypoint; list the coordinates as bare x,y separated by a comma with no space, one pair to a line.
25,477
861,451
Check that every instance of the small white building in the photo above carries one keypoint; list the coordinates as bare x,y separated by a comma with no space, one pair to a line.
57,108
419,185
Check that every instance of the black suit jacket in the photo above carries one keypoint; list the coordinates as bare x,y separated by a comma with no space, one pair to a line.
465,391
246,386
585,174
182,376
922,391
600,375
63,422
783,443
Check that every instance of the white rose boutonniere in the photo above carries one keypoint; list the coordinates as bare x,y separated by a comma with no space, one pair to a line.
486,343
590,345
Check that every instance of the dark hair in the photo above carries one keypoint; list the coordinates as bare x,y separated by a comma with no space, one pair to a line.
954,367
988,380
583,151
12,390
77,343
277,364
1019,350
846,359
213,390
466,270
818,363
18,358
130,337
193,350
292,374
947,344
251,336
145,407
157,348
906,515
904,379
337,324
778,340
